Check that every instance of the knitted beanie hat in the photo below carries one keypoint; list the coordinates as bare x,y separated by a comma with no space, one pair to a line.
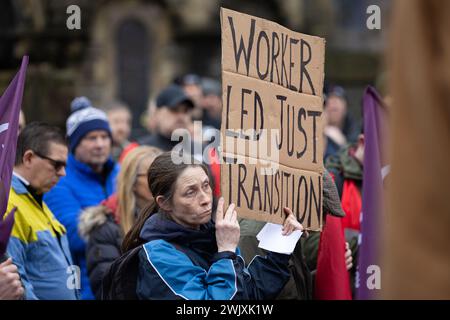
84,119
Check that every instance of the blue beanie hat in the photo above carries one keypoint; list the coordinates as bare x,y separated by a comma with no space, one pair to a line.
84,119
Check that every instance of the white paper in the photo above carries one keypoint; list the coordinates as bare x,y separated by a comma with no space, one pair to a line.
271,238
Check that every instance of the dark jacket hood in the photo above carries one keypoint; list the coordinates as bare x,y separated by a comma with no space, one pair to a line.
161,227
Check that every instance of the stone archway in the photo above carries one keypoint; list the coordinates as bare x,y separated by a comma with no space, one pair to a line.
124,60
133,56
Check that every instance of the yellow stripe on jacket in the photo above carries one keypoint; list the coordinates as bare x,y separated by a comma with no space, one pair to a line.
30,218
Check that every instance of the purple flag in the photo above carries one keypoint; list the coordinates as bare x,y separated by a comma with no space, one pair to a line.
10,103
368,279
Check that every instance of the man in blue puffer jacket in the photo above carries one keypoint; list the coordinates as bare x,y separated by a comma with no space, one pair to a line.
90,177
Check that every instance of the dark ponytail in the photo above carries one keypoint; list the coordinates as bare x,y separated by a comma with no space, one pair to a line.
132,239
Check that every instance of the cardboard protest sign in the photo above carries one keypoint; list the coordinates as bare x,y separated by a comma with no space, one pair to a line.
264,50
265,108
262,196
272,122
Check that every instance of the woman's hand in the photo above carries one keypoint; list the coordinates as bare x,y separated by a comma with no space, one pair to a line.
227,228
348,257
290,224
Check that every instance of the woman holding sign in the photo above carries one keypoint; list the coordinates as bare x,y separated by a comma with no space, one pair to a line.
184,254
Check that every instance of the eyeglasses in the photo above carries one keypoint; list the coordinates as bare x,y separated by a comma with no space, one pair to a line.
57,164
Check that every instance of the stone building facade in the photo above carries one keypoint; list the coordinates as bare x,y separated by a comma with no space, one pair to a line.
129,49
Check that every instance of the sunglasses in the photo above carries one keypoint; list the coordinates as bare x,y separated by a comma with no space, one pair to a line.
57,164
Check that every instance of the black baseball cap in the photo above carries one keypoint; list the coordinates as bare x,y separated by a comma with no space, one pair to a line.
172,96
190,78
335,90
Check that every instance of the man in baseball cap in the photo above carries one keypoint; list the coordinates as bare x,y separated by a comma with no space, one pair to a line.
173,111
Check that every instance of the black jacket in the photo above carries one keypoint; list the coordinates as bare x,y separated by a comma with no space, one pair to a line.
104,238
159,141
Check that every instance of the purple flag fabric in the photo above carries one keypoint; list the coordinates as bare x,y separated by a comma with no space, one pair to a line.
368,279
10,104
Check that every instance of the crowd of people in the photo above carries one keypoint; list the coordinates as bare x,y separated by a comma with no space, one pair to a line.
100,216
103,215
